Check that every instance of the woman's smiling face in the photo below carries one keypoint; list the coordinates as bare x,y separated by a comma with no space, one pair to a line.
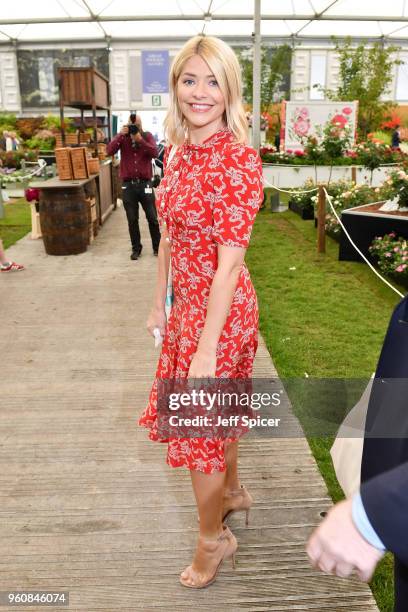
200,97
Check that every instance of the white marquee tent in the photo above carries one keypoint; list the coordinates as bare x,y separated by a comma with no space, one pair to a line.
115,20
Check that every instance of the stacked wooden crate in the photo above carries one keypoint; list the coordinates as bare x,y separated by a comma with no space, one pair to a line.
79,163
93,165
73,139
70,139
75,163
64,163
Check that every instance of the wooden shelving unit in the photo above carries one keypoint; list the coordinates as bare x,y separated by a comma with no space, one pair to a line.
85,89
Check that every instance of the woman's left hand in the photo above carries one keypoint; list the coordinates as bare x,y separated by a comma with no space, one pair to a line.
203,365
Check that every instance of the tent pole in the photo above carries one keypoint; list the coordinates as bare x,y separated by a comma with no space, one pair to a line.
256,93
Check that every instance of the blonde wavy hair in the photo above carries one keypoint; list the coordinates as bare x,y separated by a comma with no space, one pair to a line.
225,67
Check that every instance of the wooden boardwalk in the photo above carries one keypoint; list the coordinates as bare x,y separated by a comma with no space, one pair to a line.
87,503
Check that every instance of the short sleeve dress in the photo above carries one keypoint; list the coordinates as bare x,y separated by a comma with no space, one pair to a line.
209,195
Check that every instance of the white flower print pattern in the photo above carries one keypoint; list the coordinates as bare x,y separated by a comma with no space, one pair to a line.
210,194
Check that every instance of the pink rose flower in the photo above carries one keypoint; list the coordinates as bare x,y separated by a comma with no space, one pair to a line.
347,110
401,268
303,113
339,120
301,127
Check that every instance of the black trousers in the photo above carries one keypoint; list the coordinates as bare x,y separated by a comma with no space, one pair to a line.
132,195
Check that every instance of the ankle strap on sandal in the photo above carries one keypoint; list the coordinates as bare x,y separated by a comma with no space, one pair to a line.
235,492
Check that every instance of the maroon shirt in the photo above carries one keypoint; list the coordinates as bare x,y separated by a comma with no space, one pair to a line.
134,162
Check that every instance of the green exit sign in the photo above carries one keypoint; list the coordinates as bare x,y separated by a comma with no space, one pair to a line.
156,100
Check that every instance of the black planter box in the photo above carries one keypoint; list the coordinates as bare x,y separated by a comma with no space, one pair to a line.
307,213
363,227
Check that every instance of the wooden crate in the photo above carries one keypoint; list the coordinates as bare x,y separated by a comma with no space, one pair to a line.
64,163
79,163
70,139
83,87
93,165
84,137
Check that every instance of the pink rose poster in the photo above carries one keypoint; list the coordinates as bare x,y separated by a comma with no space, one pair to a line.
306,118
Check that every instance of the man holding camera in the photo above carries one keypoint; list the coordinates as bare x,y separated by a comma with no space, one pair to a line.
137,149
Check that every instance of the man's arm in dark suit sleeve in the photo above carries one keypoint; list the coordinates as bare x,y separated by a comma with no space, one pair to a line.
385,500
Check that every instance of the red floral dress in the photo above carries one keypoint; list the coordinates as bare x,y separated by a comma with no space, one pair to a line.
210,194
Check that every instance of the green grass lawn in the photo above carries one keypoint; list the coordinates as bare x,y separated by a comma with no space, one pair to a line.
321,317
16,223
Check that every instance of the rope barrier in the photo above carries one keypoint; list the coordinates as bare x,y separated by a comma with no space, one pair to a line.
356,247
41,165
343,228
287,191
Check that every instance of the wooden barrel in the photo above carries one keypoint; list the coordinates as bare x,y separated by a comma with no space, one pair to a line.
64,220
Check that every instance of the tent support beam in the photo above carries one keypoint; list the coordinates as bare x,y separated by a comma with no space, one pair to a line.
200,17
256,78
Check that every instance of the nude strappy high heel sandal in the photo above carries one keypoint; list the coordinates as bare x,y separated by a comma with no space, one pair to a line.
239,500
224,547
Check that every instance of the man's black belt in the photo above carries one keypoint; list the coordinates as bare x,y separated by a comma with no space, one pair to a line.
136,181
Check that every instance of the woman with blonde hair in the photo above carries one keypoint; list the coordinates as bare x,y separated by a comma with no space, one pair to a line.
207,203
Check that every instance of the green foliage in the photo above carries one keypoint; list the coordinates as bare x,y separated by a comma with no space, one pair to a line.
365,75
8,121
396,184
12,159
43,144
336,140
53,123
382,135
344,194
275,68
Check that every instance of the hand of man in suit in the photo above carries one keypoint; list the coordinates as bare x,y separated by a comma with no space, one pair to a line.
337,547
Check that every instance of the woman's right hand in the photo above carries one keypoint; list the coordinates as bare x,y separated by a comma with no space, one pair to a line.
157,318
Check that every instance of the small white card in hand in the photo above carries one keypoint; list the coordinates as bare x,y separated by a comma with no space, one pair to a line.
158,338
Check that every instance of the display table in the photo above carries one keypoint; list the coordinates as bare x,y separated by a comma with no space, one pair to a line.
64,215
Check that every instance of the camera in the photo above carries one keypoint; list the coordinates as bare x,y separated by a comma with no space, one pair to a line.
133,129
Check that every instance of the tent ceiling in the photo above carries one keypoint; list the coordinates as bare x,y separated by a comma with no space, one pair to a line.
100,20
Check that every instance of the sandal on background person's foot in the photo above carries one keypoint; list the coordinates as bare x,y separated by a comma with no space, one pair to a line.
210,553
11,266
